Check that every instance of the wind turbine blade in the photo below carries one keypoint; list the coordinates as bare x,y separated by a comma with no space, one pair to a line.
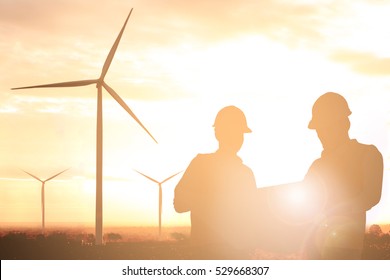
32,175
111,54
124,106
147,177
170,177
64,84
52,177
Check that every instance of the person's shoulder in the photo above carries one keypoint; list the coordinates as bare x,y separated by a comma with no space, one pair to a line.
367,148
315,166
200,159
246,167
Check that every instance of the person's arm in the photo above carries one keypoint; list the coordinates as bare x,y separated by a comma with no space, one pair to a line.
373,178
184,190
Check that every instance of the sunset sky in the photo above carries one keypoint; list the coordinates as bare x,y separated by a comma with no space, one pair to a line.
178,63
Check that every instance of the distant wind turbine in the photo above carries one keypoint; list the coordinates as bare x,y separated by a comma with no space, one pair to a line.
43,193
100,83
159,196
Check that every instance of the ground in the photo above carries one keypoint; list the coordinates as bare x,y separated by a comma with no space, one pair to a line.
135,243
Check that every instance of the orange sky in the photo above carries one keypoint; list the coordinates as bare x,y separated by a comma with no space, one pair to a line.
177,64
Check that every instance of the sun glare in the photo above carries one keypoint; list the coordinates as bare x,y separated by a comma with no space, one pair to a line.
297,197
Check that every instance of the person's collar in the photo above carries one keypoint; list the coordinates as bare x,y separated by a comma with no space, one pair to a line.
228,155
338,147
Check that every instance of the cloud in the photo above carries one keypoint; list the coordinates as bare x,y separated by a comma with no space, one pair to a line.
168,21
363,63
52,41
218,20
155,22
29,105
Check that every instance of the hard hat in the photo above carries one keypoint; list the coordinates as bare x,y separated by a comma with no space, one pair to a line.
328,109
232,118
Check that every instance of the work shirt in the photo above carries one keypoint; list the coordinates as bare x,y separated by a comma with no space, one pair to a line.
218,189
347,181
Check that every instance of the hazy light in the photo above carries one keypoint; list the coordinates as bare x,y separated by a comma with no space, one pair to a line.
274,84
297,197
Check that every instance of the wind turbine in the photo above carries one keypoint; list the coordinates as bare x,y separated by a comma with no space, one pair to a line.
159,196
100,83
43,194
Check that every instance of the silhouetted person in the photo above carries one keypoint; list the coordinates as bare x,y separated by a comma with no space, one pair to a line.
347,180
217,188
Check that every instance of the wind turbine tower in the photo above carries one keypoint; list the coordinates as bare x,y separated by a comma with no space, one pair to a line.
100,84
159,196
43,194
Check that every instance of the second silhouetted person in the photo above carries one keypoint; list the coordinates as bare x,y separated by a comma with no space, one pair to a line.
218,188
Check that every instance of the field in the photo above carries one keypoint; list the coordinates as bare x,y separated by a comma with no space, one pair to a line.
137,243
